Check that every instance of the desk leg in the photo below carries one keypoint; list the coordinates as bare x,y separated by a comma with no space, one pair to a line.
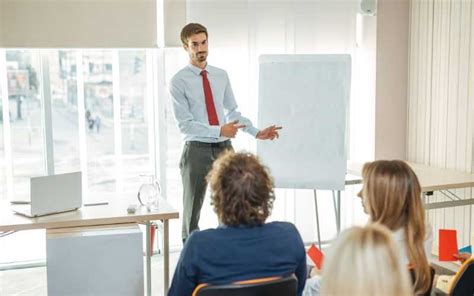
166,255
148,258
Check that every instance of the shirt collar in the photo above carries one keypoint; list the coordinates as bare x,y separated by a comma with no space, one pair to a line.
197,70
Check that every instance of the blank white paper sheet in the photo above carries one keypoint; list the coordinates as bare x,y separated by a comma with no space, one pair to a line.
308,95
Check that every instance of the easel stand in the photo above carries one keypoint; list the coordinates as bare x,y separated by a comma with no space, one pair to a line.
336,198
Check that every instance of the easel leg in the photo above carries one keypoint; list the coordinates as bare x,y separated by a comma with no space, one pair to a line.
337,210
317,218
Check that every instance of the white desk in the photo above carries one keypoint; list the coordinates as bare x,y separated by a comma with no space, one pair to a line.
431,179
435,179
113,213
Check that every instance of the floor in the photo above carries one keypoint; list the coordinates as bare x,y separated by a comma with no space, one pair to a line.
32,281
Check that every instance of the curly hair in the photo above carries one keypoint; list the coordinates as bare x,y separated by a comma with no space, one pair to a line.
242,189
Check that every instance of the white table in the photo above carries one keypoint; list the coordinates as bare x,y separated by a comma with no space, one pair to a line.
113,213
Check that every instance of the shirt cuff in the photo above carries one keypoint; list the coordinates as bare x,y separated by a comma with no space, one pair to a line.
215,131
253,131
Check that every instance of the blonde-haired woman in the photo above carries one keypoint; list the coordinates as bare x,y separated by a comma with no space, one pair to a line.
391,195
365,261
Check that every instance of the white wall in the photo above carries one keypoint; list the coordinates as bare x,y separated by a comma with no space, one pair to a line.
391,79
362,111
441,98
378,110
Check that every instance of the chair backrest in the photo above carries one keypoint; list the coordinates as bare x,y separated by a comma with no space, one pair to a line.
463,282
286,286
432,274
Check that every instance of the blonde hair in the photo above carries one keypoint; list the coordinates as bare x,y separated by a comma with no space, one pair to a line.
393,195
364,261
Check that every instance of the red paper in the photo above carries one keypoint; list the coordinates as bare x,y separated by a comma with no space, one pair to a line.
316,256
448,244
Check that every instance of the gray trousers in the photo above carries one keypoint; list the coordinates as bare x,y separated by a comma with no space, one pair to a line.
196,162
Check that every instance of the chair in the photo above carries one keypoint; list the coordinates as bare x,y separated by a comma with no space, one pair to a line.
275,286
432,274
463,281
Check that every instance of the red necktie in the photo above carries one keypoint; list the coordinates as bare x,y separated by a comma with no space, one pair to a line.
211,109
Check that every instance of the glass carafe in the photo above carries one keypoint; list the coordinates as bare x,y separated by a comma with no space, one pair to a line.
149,191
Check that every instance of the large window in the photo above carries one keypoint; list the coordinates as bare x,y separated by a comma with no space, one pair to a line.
101,119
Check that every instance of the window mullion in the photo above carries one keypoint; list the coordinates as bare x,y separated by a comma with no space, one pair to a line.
150,110
47,121
160,118
117,119
82,118
6,124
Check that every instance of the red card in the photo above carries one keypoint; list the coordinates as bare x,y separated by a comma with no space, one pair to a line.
448,244
316,256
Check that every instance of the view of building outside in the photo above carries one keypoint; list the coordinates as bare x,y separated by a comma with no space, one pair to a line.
25,118
134,116
24,99
63,79
109,170
104,167
99,113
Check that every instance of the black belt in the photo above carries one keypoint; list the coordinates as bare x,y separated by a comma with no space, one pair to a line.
223,144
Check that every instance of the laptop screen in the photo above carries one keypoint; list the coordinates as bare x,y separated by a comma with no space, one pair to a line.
56,193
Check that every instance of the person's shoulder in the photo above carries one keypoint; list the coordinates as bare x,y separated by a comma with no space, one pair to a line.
180,75
282,226
216,70
288,232
200,236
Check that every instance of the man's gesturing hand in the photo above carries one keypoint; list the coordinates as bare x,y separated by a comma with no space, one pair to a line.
269,133
230,129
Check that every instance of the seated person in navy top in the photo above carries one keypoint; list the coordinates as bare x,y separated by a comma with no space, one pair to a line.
243,247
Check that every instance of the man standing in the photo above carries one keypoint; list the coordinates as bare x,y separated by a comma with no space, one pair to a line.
206,112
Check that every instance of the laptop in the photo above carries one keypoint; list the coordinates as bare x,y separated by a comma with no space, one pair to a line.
53,194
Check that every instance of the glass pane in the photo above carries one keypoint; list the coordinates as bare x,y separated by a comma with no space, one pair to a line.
98,94
63,79
135,120
24,89
25,115
3,179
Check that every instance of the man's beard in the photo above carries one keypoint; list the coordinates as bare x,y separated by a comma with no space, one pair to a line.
201,56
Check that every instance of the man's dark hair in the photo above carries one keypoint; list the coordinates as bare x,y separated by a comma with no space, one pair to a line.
191,29
242,189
